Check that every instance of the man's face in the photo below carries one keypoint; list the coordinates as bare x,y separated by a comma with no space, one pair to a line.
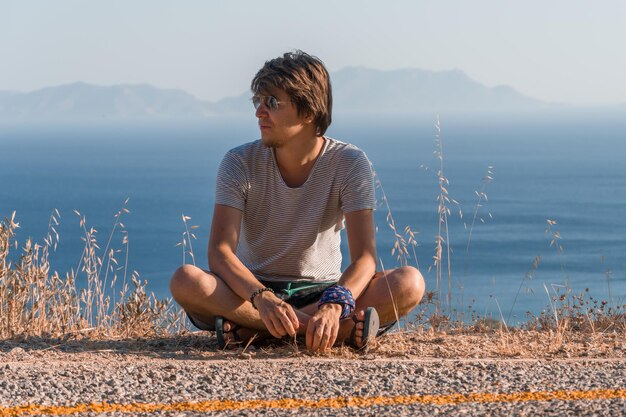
278,126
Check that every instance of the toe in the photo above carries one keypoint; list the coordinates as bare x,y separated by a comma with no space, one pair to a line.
229,334
358,329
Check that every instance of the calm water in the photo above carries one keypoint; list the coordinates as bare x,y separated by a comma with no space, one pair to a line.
568,168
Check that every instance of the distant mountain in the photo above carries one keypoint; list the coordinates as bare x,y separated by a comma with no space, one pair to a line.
6,94
412,90
85,101
364,90
235,105
355,90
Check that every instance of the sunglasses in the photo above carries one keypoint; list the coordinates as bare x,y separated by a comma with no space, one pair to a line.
270,102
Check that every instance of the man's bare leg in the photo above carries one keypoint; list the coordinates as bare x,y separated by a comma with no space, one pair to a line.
205,296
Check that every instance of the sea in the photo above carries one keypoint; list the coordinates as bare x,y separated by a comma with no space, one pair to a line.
535,208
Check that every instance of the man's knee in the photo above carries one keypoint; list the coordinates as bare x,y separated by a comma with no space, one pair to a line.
409,284
184,282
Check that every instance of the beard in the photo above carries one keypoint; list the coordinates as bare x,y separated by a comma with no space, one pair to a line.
272,143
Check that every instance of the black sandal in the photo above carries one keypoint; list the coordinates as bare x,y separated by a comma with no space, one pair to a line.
219,333
371,324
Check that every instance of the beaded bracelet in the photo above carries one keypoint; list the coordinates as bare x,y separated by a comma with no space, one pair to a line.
339,295
257,292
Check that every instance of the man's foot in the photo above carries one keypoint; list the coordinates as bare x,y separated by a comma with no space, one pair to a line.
230,335
365,329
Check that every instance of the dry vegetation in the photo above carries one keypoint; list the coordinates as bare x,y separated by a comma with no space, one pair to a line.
36,302
89,304
573,324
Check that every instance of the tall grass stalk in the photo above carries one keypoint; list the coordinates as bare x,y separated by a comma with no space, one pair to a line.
501,315
412,241
481,196
555,241
400,245
527,277
393,300
186,241
443,233
608,273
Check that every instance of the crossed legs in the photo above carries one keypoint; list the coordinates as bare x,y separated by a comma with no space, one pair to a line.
204,296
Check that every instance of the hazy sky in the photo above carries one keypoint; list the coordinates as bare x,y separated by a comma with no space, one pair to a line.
556,50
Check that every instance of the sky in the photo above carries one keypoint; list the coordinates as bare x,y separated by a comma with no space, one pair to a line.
559,51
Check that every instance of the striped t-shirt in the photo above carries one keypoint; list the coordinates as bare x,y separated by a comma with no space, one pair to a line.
293,234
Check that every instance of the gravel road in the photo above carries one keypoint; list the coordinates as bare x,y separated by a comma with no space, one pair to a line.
66,379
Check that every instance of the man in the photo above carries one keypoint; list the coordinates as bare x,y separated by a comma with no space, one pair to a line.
281,202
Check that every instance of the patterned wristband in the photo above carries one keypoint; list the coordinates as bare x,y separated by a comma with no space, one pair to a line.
339,295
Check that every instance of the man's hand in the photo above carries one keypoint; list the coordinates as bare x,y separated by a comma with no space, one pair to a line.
323,328
278,316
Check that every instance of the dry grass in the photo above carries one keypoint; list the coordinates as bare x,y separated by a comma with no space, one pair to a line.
36,302
517,343
41,307
415,343
567,315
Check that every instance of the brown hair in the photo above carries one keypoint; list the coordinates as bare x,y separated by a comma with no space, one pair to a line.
305,79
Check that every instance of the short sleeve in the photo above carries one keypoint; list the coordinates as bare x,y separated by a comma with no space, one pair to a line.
231,185
357,192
